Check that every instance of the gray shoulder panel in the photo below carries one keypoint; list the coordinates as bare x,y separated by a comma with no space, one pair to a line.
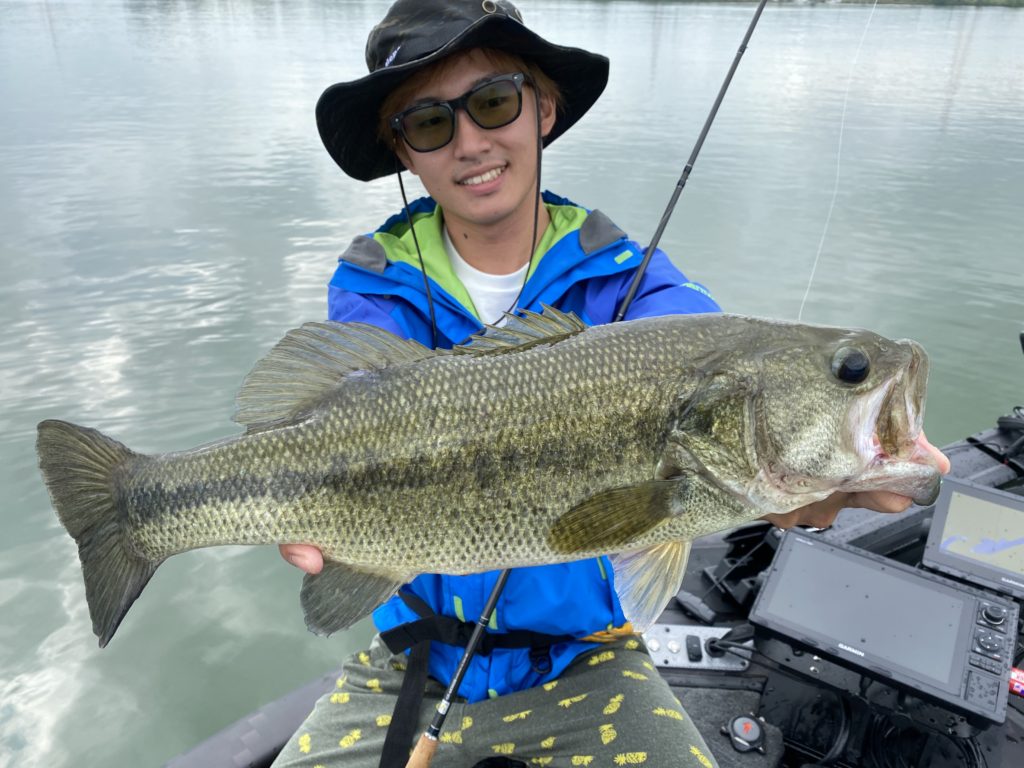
367,253
597,232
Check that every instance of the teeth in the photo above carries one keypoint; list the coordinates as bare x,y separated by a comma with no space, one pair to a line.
483,177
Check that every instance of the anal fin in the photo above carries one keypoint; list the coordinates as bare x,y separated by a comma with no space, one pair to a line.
340,595
646,579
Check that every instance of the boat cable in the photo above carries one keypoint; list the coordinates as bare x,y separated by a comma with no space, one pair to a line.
873,739
718,581
747,653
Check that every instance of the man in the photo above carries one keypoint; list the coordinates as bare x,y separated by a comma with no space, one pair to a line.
463,95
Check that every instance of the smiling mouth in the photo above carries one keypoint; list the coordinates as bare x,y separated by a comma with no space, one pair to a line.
483,178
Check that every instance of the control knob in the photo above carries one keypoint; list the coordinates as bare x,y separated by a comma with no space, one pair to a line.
994,614
746,733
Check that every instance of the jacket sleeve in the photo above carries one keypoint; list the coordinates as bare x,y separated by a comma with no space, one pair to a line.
664,290
348,307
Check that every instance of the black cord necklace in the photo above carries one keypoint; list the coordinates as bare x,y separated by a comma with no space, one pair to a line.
533,238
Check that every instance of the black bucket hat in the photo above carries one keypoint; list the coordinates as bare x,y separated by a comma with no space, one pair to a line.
416,33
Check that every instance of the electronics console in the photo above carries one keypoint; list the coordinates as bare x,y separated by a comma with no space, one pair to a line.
930,636
977,534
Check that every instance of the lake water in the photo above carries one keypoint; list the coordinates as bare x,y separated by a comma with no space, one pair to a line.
167,212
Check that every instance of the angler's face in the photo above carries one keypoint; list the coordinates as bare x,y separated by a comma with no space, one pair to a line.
482,177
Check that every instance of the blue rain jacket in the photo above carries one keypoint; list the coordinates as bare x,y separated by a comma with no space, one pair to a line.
584,265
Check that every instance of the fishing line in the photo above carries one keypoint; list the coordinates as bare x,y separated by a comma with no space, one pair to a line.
839,156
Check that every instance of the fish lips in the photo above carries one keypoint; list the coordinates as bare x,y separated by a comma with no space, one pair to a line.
898,462
929,497
915,474
917,481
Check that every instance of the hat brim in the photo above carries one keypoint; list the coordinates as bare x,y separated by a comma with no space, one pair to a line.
347,114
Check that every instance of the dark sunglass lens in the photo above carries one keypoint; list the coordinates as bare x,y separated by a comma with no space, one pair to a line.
495,104
428,127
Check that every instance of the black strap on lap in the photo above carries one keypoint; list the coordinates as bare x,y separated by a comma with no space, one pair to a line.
445,629
417,636
402,730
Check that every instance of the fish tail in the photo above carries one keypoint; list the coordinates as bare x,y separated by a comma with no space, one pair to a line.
78,467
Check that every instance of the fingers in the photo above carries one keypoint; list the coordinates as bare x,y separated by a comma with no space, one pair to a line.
303,556
941,460
879,501
820,514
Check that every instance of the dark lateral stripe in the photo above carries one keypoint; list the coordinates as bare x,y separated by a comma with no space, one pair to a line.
161,500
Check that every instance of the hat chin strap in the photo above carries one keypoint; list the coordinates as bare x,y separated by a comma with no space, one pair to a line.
536,207
533,238
419,255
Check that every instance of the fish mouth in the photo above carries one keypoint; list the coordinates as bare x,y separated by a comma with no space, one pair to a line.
887,433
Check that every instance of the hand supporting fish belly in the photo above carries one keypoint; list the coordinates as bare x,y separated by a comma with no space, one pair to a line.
542,441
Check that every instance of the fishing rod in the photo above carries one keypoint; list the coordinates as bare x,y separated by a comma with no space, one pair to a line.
686,170
427,744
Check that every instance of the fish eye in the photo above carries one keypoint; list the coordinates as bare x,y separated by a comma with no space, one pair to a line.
851,365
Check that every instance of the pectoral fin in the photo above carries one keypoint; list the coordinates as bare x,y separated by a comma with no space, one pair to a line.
645,580
340,595
613,518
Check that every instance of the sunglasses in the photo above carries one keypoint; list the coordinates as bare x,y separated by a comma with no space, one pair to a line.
494,103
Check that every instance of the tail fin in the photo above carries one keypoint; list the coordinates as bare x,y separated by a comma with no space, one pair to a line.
78,466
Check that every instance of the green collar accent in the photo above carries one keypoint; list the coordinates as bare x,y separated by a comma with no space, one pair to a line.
399,246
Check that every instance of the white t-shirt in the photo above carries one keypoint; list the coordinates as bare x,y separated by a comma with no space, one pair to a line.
492,295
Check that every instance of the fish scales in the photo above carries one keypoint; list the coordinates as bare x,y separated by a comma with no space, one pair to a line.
542,441
502,444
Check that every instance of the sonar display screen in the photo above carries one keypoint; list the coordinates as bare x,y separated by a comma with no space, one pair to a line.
978,534
874,611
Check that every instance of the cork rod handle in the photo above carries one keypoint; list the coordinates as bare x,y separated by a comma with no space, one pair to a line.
423,753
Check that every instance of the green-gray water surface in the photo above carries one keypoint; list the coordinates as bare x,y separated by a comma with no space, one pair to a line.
167,212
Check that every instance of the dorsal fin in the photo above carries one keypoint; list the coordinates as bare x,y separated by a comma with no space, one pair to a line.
522,332
312,361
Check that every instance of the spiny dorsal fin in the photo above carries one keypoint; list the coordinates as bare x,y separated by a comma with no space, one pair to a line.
522,332
312,361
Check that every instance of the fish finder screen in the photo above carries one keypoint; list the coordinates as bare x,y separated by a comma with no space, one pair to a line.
983,531
872,614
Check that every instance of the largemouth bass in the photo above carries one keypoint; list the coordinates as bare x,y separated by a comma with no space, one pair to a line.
539,442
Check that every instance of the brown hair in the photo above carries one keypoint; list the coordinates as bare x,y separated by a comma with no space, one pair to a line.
503,61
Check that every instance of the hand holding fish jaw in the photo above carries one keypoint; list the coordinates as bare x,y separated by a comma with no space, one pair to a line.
821,514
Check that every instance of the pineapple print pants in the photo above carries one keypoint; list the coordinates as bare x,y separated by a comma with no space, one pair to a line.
609,708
